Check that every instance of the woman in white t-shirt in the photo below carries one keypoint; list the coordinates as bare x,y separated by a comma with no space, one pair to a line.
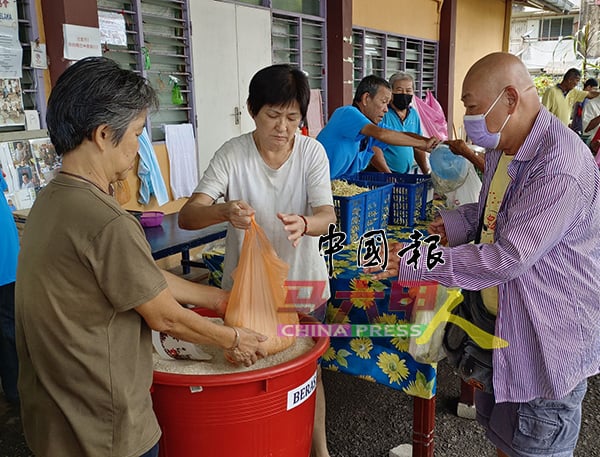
280,177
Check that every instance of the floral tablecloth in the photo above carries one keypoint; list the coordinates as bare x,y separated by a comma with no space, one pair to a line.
358,299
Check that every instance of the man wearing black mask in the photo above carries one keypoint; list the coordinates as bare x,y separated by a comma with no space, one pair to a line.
402,117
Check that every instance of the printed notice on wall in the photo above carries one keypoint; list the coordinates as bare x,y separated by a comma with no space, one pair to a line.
11,52
12,111
38,55
112,28
81,42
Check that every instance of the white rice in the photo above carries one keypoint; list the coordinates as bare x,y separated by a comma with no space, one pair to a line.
219,365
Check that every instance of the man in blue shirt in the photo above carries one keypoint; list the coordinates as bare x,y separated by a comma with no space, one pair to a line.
355,135
404,118
9,249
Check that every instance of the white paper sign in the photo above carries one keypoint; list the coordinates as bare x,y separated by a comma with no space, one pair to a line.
112,28
8,15
11,52
11,59
300,394
32,120
38,55
81,42
25,198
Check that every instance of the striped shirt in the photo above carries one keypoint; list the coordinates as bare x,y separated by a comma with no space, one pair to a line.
545,260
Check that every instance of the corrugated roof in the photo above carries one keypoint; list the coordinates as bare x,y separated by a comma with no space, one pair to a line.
558,6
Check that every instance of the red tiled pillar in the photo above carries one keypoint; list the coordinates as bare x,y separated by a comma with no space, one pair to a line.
55,14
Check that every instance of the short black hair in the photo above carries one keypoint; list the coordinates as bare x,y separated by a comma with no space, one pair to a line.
92,92
572,73
593,82
369,85
278,85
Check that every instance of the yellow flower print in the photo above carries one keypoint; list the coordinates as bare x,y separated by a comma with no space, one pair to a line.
374,284
401,344
392,366
340,358
366,377
420,387
332,367
389,319
342,264
362,347
366,297
335,316
329,354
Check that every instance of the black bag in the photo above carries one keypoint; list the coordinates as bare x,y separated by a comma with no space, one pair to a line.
473,363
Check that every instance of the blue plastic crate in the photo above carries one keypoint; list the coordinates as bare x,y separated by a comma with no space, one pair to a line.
349,213
363,212
377,204
412,196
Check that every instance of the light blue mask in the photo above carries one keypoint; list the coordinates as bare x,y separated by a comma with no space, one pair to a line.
477,130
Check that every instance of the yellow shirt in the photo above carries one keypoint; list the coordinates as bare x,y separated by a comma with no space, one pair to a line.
559,104
496,193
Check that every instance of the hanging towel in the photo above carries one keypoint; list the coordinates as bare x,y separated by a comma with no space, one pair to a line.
181,147
151,181
314,114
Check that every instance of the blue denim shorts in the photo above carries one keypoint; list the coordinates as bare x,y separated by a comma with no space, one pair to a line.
152,452
540,427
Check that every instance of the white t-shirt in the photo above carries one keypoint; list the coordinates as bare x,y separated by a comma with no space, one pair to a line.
238,172
590,111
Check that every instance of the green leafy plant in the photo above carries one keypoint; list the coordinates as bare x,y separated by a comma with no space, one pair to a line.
583,40
542,82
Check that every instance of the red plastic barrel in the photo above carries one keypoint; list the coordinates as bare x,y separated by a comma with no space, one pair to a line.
267,412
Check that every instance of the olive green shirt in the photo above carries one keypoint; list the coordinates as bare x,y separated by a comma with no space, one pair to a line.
85,354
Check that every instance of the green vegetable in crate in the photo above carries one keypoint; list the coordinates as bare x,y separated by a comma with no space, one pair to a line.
341,188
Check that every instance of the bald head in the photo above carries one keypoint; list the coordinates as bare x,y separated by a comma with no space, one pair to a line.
503,77
498,70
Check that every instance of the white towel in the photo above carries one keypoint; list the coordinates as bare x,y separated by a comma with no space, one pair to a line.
314,114
181,147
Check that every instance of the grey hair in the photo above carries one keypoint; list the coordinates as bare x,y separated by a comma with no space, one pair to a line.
92,92
369,85
401,76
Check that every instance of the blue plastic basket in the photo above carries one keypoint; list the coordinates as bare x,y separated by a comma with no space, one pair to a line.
412,196
350,212
363,212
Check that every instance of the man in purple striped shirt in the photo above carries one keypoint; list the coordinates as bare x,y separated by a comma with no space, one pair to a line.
537,265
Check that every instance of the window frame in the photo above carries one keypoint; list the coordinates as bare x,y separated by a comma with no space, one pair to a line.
548,20
426,64
138,32
301,23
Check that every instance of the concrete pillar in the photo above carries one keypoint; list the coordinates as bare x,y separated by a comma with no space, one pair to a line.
59,12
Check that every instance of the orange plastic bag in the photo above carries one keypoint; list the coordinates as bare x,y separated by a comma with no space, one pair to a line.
258,295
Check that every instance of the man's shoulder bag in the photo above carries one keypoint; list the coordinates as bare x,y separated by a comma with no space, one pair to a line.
473,363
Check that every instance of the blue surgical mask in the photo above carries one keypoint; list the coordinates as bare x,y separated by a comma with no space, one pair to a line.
477,130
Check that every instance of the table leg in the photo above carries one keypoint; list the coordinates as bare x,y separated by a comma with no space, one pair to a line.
467,393
466,402
185,261
423,426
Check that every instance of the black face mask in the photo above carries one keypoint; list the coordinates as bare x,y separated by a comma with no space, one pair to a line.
401,101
